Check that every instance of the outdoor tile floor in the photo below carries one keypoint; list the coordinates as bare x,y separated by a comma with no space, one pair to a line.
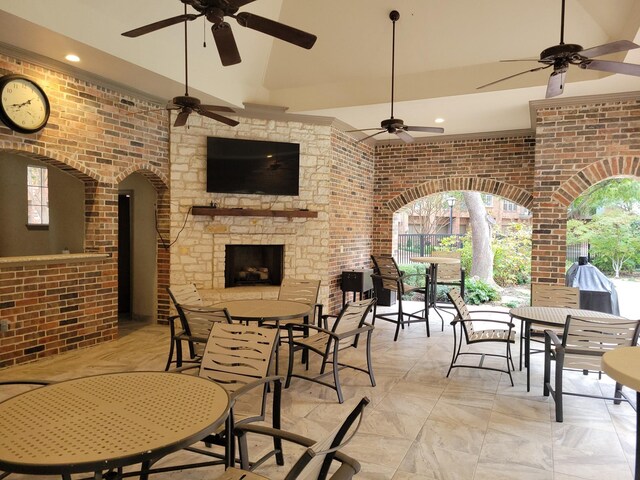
420,424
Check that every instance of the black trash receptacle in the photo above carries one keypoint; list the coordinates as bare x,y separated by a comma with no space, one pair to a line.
597,292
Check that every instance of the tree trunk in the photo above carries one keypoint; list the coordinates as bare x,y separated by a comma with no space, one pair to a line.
482,263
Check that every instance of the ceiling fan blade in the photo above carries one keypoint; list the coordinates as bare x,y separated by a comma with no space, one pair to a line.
613,47
181,119
406,138
226,43
614,67
152,27
220,118
424,129
555,86
370,136
363,130
217,108
512,76
276,29
521,60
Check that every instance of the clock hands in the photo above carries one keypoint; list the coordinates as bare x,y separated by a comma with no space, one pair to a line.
20,105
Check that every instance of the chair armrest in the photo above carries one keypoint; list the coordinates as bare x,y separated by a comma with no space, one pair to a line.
290,328
350,466
354,332
486,320
200,308
276,379
325,320
554,337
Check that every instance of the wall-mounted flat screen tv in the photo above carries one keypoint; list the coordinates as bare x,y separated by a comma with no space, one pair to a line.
252,166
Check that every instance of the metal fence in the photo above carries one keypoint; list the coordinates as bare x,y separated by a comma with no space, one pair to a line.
578,250
421,244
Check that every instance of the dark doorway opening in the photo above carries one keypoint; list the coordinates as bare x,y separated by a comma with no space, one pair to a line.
124,255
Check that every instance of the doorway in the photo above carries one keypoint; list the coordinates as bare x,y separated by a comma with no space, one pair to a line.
124,255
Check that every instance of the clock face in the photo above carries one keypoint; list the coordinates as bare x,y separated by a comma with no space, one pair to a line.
24,107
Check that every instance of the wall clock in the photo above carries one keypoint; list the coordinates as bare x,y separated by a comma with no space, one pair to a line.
24,107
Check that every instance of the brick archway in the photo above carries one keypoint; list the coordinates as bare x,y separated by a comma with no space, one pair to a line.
595,173
163,255
66,164
449,184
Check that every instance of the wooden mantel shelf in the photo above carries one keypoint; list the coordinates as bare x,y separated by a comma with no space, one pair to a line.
250,212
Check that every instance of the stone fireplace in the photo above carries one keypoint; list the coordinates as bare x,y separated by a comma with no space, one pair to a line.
250,265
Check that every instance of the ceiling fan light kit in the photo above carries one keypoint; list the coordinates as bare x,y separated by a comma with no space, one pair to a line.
564,54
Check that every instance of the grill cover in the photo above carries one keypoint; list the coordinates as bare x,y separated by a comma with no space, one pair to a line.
597,292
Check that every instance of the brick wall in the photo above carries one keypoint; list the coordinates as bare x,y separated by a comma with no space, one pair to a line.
92,135
577,146
351,211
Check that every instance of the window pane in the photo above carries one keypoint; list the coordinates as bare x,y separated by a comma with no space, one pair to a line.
37,195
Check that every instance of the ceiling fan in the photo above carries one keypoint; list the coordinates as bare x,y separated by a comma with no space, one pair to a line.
564,54
215,11
188,104
391,124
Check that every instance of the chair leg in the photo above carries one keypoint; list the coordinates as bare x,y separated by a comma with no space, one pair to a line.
290,367
166,368
558,386
336,374
369,365
509,359
454,355
617,394
178,353
521,341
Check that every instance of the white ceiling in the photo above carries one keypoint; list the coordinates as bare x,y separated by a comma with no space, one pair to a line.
444,50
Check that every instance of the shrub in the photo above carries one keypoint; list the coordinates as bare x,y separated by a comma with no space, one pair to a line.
478,291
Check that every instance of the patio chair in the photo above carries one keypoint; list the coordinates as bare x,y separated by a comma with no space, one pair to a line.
301,291
448,274
390,277
195,320
344,333
238,357
543,295
315,462
583,343
464,326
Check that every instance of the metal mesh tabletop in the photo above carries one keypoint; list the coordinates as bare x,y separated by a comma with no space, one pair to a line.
554,316
94,423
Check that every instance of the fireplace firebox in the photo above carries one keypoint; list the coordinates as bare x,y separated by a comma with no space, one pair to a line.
249,265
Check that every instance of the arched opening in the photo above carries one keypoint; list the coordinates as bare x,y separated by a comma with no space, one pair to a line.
603,245
61,228
445,221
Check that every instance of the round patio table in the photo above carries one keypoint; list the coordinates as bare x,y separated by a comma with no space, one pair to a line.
623,365
551,317
104,422
433,275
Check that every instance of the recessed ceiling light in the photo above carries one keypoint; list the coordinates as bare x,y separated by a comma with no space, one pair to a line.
72,58
439,120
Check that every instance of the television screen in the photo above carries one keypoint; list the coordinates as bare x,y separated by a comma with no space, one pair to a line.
252,166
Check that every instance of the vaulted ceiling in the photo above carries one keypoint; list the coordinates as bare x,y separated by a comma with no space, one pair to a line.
444,51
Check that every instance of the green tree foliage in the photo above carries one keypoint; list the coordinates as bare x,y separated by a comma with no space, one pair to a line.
512,255
614,236
620,193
